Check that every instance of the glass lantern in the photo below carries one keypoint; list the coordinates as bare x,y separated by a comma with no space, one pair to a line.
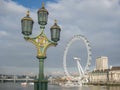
42,15
55,32
27,25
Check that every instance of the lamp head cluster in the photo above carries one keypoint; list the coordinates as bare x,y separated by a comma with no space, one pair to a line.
27,24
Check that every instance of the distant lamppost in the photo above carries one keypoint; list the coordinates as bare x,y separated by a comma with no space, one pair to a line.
41,42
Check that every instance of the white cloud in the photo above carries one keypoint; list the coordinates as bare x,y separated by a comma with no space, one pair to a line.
10,15
98,20
3,33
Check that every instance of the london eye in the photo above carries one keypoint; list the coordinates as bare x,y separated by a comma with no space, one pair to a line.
83,71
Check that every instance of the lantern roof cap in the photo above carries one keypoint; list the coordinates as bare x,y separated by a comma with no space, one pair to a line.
42,9
27,17
55,26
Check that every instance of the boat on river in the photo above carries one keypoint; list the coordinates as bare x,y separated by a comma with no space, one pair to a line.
24,84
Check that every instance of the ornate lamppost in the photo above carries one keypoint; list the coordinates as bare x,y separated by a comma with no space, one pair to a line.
41,41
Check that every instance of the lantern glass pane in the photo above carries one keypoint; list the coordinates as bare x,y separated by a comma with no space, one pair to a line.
27,26
42,18
55,35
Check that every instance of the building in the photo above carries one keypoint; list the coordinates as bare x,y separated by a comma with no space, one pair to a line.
107,75
104,75
102,63
99,76
114,74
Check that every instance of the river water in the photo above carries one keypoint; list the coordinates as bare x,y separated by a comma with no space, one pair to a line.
17,86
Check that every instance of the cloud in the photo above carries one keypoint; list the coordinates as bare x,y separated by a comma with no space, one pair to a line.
98,20
3,33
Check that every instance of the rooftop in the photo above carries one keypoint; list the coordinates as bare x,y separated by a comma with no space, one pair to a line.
115,68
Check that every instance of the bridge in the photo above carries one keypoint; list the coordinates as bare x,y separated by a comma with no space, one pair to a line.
15,79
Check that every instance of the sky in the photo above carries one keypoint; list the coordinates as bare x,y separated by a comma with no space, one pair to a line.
97,20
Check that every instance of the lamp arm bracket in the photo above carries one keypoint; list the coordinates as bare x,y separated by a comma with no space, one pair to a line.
42,43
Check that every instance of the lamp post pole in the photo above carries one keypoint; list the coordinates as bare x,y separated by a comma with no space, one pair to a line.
41,42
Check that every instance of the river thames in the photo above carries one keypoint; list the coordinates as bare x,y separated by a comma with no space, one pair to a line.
17,86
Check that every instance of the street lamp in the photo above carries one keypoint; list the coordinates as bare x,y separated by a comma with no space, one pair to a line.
41,42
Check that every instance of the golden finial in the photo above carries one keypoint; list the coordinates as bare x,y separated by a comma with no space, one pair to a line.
55,21
43,5
28,13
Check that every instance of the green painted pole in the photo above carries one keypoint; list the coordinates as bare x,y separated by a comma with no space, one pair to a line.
41,82
41,69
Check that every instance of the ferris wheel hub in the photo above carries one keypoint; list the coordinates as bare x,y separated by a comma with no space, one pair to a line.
76,58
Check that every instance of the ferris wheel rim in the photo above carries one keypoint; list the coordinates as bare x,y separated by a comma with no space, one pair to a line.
89,54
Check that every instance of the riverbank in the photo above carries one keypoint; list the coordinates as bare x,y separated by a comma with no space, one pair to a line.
104,83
